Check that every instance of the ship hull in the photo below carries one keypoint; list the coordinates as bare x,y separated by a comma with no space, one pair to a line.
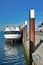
12,36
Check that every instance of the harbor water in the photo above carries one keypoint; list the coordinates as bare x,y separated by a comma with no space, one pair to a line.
10,54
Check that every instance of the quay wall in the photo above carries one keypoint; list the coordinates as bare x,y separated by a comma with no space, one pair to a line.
25,43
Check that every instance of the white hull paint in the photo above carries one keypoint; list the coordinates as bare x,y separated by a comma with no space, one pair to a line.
12,36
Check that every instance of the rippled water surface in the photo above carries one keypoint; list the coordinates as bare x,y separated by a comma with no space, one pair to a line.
10,54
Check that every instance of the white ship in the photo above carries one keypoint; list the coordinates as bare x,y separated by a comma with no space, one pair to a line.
40,27
12,32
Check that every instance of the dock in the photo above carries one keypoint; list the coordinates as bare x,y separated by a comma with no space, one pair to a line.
33,46
38,54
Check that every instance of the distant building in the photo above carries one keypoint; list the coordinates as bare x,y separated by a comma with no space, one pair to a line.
40,27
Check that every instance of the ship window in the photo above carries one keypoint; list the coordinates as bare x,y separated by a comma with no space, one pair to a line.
15,32
8,32
12,32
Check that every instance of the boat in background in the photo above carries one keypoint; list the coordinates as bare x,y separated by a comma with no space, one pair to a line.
40,27
12,32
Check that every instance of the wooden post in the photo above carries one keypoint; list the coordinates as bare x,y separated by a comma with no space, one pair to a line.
25,30
11,41
32,30
32,33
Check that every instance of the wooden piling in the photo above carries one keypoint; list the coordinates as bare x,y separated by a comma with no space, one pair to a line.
32,31
32,34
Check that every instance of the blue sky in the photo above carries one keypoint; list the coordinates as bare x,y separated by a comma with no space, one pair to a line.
17,11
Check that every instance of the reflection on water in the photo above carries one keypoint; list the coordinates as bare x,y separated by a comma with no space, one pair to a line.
10,54
10,50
